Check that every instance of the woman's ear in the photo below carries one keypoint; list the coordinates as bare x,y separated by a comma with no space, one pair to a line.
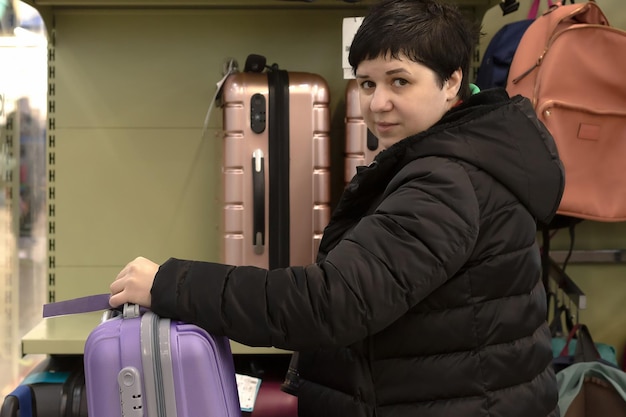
453,84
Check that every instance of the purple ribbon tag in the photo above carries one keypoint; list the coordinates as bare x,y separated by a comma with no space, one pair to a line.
77,305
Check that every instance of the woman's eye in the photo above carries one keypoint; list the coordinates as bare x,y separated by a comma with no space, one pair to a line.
399,82
367,84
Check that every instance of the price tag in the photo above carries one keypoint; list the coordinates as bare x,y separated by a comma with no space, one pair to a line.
349,28
248,389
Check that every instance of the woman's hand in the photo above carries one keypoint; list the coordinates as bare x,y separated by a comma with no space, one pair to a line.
133,283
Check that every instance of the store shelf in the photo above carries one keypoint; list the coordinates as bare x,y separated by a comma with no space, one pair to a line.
60,335
67,335
199,3
600,256
230,3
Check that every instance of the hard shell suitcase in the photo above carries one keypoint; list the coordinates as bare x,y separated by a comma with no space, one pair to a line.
361,145
276,164
143,365
54,388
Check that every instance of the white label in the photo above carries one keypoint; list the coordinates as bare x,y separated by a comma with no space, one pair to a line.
248,389
350,26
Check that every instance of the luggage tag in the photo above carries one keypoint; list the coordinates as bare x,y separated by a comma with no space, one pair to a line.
230,67
89,304
78,305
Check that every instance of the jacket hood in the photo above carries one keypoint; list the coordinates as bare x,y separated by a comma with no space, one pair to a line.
503,137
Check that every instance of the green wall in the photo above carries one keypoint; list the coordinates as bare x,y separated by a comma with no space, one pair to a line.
131,174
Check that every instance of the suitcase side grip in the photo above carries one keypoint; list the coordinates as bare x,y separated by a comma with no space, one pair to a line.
258,201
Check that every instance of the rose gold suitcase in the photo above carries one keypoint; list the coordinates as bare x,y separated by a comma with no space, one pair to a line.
275,165
361,145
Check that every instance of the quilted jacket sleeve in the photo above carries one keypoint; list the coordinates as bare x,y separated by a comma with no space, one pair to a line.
421,234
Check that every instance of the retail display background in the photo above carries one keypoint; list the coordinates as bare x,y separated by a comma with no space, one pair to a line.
129,171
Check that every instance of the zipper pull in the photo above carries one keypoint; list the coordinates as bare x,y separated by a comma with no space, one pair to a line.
528,71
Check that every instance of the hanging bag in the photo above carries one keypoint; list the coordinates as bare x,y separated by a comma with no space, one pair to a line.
579,346
494,67
570,63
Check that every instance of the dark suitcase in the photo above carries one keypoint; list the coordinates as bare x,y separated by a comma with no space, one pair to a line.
18,403
54,388
276,165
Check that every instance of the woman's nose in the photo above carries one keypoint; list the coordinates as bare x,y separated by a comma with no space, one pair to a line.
380,101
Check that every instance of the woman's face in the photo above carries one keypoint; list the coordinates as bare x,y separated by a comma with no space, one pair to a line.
400,97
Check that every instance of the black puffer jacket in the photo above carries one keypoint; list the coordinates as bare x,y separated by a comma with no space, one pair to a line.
426,299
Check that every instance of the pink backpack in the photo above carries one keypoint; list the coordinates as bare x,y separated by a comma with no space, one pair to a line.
570,63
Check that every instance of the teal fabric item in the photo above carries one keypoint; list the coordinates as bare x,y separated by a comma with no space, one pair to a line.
570,380
474,89
46,378
607,352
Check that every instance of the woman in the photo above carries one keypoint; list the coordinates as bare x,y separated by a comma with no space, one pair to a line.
426,298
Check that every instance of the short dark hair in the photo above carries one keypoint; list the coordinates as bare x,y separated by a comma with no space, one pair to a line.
430,32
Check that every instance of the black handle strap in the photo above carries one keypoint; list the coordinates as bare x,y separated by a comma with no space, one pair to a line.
586,350
258,199
278,131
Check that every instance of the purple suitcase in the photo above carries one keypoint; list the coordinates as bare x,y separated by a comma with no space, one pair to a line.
143,365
